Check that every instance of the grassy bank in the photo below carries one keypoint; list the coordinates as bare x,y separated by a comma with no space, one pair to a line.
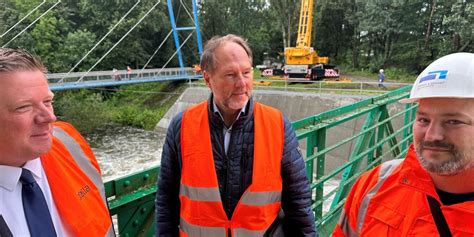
391,74
140,105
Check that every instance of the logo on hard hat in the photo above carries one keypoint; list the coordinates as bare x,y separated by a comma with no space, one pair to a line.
433,75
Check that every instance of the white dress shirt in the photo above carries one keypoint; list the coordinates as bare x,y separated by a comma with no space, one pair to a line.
11,205
227,131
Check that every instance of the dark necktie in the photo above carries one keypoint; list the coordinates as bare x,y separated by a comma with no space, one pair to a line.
35,207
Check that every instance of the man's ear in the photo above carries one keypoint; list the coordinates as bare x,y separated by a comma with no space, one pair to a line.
206,77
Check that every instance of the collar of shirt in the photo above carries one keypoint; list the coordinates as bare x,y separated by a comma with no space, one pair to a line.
216,111
9,175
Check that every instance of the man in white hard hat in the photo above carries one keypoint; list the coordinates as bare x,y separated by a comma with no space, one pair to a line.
431,191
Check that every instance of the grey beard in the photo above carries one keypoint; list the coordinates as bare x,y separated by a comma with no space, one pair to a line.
459,163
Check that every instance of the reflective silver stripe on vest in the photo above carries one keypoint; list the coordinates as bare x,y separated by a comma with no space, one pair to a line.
86,166
200,194
345,227
241,232
201,231
110,232
385,171
81,160
261,198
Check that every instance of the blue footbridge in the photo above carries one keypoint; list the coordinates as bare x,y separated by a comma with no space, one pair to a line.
98,79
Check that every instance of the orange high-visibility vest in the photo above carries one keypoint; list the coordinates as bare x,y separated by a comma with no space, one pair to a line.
390,200
75,180
202,212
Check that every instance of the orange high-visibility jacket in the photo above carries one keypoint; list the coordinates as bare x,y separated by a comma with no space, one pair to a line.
202,212
390,200
75,180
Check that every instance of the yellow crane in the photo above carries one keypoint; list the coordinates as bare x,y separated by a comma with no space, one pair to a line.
302,61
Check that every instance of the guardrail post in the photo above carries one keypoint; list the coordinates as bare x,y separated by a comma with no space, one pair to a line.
320,166
311,143
380,134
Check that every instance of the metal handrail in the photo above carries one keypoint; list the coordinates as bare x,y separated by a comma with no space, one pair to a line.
78,80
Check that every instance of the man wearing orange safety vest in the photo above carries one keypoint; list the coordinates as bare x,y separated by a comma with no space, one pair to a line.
50,181
431,191
231,166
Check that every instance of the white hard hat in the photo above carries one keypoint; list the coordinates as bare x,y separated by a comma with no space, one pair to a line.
381,70
451,76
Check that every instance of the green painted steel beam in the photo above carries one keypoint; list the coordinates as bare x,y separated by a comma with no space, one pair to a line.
338,116
346,140
320,163
138,220
131,198
361,145
311,142
389,97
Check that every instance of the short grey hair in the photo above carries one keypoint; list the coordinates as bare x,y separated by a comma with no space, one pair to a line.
208,62
12,60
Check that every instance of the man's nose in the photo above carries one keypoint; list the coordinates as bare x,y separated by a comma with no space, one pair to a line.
434,132
46,115
240,80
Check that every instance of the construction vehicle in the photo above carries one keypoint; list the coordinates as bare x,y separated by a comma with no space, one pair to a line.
302,62
270,66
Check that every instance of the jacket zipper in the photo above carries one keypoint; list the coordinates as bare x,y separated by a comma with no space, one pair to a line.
226,174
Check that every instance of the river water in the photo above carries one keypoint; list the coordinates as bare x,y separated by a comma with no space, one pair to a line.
122,150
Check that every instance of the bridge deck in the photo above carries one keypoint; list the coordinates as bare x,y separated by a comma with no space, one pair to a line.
79,80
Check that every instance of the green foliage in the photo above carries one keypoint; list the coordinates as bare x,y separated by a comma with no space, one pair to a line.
399,75
71,51
84,109
366,34
70,30
140,105
329,36
251,19
138,117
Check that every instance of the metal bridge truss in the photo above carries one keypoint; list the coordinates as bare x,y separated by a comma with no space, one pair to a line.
176,28
385,134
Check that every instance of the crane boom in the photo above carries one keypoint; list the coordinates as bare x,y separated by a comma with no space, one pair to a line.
305,24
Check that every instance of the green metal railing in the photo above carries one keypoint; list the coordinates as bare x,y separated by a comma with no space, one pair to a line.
332,138
385,134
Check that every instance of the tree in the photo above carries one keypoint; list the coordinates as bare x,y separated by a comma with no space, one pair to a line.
286,13
459,24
